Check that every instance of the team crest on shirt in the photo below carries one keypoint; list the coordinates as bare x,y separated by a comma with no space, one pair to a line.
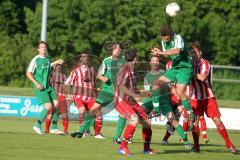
119,64
45,65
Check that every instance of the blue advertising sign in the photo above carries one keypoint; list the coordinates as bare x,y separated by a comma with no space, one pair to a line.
19,106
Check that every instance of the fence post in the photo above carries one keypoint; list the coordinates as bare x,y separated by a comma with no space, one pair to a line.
211,74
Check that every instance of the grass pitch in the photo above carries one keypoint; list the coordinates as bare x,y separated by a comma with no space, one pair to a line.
19,142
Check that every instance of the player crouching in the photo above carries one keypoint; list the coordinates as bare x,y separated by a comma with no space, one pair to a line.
125,100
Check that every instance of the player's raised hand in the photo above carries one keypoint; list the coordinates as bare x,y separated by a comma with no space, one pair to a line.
104,79
137,97
155,51
145,93
60,61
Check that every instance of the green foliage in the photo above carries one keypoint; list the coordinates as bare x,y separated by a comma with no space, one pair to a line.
76,25
226,90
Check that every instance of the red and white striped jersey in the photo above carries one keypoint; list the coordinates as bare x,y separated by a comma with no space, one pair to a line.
201,89
169,65
82,79
57,82
125,77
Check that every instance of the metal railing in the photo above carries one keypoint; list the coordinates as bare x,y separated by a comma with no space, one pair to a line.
224,79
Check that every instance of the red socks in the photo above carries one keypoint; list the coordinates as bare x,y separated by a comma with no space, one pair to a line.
222,130
65,125
127,135
203,127
196,134
47,124
146,136
98,125
185,126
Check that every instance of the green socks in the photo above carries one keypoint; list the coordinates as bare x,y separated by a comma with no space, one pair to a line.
120,127
55,119
86,123
42,117
155,96
186,104
155,100
92,124
181,133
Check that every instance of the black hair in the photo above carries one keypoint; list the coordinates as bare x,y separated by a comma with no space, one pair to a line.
84,52
42,42
166,31
130,55
110,46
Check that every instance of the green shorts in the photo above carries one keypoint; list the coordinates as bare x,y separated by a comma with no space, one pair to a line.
104,97
180,75
46,95
147,106
165,105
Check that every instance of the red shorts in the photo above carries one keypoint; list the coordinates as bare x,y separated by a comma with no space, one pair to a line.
87,104
209,106
184,113
62,104
175,101
127,110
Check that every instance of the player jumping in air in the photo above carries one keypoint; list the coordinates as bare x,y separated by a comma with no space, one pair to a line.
126,95
181,71
203,99
163,105
38,72
177,107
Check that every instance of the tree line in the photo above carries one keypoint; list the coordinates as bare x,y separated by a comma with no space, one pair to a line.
76,25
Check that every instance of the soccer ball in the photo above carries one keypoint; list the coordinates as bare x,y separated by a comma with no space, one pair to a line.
172,9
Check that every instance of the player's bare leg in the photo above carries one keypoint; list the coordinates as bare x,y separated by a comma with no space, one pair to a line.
159,82
81,115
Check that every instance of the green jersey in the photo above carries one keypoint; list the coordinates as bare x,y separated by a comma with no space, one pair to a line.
182,60
150,77
109,69
40,67
148,80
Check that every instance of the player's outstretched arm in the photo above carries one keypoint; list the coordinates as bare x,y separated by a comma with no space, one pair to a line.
158,52
129,92
102,78
200,77
59,61
145,93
